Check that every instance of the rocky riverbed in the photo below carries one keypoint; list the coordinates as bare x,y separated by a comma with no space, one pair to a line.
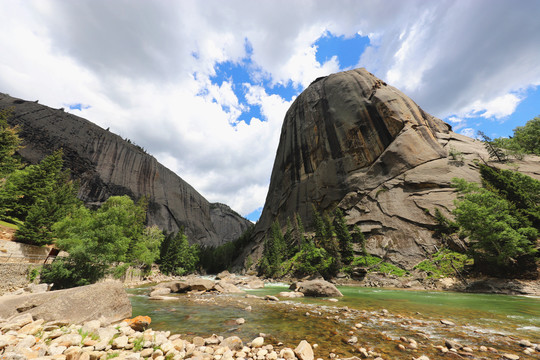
304,329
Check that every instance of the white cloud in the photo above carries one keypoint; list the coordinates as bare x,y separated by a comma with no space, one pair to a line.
470,132
498,107
147,65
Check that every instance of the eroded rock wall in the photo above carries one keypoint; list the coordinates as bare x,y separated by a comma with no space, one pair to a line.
107,165
351,141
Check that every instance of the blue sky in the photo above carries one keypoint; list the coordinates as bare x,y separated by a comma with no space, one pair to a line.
204,86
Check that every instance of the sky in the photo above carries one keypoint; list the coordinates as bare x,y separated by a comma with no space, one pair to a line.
204,85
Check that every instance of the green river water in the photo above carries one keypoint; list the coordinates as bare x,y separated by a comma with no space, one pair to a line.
498,321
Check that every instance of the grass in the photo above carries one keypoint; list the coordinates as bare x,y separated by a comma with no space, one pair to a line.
375,264
9,225
444,263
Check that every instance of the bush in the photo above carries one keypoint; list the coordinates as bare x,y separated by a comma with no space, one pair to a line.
499,236
444,263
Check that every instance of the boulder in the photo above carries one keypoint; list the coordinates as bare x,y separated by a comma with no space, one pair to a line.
353,142
304,351
223,275
174,286
255,284
139,323
291,294
160,291
227,288
316,288
199,284
233,342
106,302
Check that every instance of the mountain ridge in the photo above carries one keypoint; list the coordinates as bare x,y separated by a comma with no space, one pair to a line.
353,142
108,165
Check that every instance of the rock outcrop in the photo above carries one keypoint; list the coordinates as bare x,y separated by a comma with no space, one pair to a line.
108,165
352,141
316,288
229,224
107,302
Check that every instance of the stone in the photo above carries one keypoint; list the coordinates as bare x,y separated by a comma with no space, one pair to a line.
525,343
255,284
91,326
106,301
227,288
510,357
32,328
240,321
139,323
287,353
304,351
447,322
317,288
117,167
160,291
37,288
147,352
120,342
351,141
271,298
291,294
233,342
198,341
257,342
450,344
199,284
16,321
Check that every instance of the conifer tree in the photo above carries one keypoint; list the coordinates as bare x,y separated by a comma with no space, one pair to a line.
9,144
180,257
344,237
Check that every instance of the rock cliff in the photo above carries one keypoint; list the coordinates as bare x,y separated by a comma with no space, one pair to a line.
352,141
227,222
107,165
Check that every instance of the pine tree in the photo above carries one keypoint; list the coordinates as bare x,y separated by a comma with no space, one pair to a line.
344,237
494,151
320,227
359,238
497,236
9,144
180,257
521,190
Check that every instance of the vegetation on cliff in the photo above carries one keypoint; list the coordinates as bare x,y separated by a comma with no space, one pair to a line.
525,140
501,220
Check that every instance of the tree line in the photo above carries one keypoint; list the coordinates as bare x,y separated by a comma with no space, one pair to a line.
41,200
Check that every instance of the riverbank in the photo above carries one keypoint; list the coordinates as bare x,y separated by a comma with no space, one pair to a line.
332,328
384,322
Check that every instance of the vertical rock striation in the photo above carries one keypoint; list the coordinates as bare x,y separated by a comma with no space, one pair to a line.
107,165
352,141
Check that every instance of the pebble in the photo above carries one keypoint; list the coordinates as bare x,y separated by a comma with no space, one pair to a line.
525,343
240,321
257,342
510,357
447,322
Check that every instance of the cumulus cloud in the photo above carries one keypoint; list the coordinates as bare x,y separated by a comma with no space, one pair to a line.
145,69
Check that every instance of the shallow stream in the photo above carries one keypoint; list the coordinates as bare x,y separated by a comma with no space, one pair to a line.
498,321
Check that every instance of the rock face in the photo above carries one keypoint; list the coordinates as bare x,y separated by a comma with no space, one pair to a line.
107,302
227,222
316,288
107,165
352,141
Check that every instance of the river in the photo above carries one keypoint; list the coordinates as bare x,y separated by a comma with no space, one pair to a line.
497,321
